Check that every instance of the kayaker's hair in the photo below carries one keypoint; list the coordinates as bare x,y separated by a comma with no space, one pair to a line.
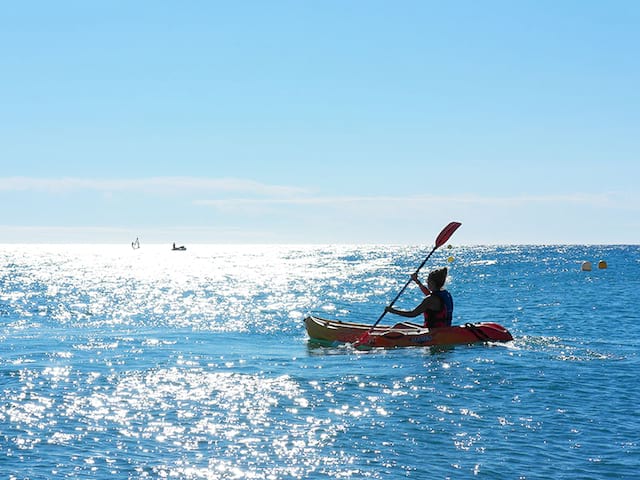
438,277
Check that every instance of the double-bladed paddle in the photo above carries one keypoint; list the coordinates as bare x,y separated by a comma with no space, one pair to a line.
444,235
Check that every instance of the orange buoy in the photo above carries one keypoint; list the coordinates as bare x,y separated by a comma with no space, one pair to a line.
586,266
602,264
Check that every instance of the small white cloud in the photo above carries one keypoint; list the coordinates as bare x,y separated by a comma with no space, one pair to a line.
157,185
414,201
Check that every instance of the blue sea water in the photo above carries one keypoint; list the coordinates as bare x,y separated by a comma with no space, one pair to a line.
140,364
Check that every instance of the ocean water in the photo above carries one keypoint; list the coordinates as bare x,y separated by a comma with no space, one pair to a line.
145,364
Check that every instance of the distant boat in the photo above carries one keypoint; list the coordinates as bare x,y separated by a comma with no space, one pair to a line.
135,245
181,248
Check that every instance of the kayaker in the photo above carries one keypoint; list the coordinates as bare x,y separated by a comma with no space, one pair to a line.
437,307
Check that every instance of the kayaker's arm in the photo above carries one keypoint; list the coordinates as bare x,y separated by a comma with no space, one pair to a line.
432,302
422,286
403,313
409,313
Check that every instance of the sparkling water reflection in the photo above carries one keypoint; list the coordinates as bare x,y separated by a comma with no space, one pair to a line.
157,364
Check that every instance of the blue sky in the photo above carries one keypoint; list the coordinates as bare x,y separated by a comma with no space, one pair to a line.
320,122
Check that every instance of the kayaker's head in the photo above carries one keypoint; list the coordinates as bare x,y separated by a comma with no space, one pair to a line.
436,279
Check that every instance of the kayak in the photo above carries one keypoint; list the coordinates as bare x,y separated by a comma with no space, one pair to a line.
405,334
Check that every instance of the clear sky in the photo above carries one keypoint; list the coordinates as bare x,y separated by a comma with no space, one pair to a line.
345,121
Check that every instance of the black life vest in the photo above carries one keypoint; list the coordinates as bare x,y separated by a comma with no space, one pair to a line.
442,317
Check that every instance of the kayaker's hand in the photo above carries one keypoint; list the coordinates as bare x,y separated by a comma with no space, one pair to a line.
414,277
388,309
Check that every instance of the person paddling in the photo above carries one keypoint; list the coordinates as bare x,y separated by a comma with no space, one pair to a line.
437,307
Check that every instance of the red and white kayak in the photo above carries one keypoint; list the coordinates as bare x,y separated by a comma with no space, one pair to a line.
405,334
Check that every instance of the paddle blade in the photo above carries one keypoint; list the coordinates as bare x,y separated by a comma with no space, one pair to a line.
363,340
446,233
